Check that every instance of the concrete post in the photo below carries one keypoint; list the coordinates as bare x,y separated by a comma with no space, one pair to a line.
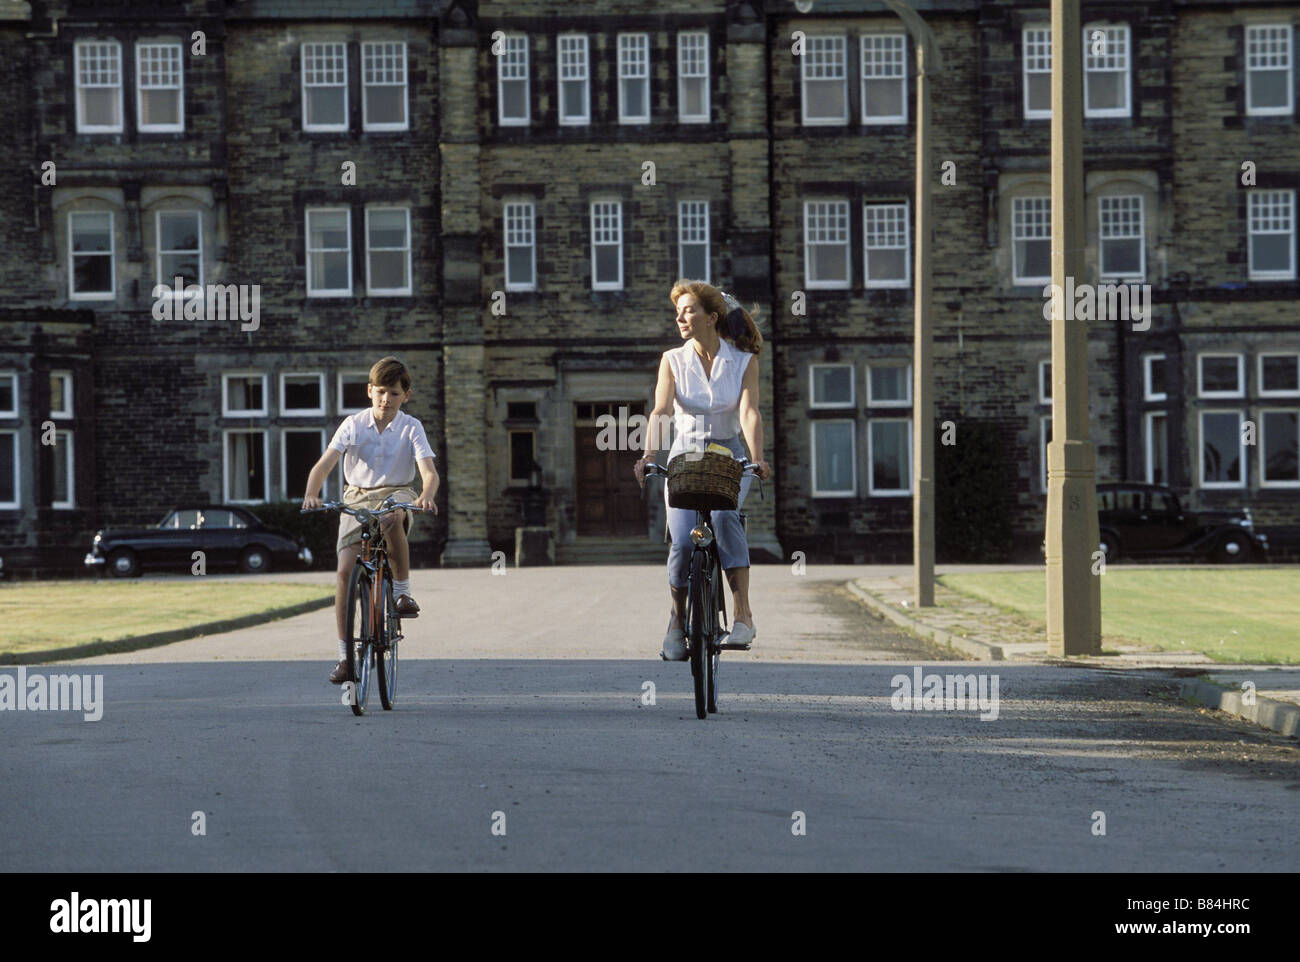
1073,591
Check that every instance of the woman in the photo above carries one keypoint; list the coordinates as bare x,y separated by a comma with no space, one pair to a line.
710,385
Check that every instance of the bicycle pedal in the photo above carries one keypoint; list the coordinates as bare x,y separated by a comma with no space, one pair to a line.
731,646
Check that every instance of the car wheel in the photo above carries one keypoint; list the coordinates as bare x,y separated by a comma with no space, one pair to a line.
1233,549
123,563
255,560
1109,545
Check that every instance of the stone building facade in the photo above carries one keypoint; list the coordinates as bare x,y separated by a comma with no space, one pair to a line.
503,193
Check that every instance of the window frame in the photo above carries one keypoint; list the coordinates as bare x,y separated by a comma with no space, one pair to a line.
17,503
317,412
1044,429
179,126
12,377
1148,444
65,411
405,85
70,469
598,285
1288,31
531,206
1200,448
284,458
843,44
1090,113
82,126
111,254
526,80
906,402
643,39
906,280
809,283
227,411
309,250
872,490
342,411
1033,281
1259,370
158,249
682,242
266,465
1044,381
1147,393
814,404
850,492
706,115
1239,393
1103,275
1259,197
343,126
1031,113
867,119
410,280
511,480
575,120
1261,447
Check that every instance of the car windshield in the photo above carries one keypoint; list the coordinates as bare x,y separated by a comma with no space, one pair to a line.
1163,501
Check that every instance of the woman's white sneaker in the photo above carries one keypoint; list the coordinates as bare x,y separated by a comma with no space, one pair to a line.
740,634
674,645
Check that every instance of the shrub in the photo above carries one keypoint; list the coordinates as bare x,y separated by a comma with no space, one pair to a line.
319,531
973,495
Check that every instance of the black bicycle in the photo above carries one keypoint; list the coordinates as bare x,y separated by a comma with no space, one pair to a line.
706,606
373,627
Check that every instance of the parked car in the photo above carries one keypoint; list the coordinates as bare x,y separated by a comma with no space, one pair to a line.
1147,519
226,535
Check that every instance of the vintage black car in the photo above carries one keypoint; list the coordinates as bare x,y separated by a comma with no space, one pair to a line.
1147,520
226,535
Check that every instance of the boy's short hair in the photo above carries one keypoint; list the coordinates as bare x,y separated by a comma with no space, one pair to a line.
388,371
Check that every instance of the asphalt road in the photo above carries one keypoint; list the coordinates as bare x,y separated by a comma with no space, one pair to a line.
561,752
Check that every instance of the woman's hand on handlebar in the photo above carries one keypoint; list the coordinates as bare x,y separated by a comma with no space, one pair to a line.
311,501
639,469
762,469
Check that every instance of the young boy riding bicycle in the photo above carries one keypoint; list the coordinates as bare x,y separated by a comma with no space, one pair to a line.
381,449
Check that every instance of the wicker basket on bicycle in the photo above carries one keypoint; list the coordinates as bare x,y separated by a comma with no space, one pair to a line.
704,482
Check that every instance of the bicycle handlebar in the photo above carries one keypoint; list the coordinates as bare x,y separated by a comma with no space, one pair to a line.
388,506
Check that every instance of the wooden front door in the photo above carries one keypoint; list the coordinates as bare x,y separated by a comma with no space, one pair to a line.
609,501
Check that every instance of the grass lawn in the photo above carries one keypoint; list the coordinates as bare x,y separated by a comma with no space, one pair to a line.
1233,615
57,614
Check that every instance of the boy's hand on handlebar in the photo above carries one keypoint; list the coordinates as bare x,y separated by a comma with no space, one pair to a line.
762,469
426,504
310,501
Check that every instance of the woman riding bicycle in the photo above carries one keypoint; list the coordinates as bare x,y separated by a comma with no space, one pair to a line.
711,388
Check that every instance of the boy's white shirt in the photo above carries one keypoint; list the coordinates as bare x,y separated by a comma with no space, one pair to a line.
371,459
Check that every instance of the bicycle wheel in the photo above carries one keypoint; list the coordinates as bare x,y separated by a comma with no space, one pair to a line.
700,630
386,656
714,650
360,638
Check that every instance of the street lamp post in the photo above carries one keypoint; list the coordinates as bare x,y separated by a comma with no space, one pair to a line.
928,61
1073,591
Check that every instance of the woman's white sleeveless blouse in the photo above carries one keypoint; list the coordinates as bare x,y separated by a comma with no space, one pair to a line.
706,406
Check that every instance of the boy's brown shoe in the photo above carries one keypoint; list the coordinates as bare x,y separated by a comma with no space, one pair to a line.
406,606
340,673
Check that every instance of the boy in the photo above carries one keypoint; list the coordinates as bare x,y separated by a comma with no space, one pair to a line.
381,449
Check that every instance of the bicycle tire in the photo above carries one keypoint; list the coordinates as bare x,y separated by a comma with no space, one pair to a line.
386,657
359,641
714,650
700,631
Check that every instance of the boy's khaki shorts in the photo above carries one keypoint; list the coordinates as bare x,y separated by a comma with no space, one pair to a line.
354,497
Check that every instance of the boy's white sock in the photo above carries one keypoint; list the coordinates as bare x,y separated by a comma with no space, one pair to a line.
343,649
401,587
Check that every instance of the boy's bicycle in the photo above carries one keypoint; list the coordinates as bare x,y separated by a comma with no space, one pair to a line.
373,627
706,606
